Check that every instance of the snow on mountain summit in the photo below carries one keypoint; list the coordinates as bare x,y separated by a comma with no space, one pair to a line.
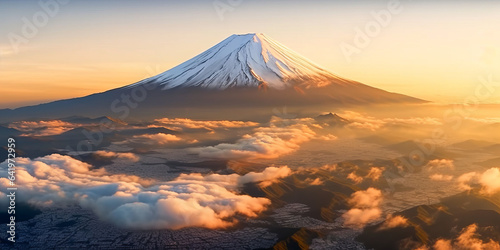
249,60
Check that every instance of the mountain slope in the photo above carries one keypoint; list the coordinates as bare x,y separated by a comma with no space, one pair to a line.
250,60
243,71
444,220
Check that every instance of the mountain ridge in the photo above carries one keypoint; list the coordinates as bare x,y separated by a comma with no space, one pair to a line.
246,60
248,72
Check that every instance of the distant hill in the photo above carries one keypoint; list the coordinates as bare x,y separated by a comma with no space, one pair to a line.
428,223
332,120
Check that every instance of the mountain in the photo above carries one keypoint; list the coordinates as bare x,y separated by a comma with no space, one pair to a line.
333,120
6,132
493,149
300,239
86,120
250,60
433,152
471,144
444,220
243,71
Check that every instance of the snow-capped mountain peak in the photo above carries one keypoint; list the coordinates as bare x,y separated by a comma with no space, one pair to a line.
249,60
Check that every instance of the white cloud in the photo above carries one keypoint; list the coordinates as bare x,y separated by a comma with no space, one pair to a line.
43,128
364,121
374,174
439,164
355,178
131,157
210,201
182,123
328,137
467,240
440,177
265,142
489,120
393,222
266,177
464,181
159,138
488,181
314,182
358,218
414,121
439,169
364,208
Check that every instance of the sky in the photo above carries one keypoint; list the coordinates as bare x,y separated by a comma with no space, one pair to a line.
58,49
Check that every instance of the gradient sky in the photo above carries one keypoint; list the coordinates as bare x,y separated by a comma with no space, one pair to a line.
434,51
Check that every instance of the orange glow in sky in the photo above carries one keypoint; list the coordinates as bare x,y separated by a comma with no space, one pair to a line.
433,51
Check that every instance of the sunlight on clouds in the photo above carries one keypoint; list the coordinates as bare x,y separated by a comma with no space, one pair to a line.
364,208
43,128
394,221
265,143
355,178
210,201
440,177
364,121
120,156
374,174
159,138
487,181
467,240
183,123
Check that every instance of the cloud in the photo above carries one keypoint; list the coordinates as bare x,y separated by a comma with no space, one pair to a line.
364,121
374,174
487,181
439,169
131,157
464,181
489,120
265,143
439,164
371,197
267,177
355,178
414,121
328,137
12,49
364,208
327,167
490,180
314,182
159,138
441,245
191,200
43,128
182,123
393,222
440,177
358,218
467,240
